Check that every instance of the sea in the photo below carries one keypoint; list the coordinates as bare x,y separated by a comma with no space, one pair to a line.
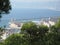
27,14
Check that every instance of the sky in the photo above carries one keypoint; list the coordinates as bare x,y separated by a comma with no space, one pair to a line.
36,4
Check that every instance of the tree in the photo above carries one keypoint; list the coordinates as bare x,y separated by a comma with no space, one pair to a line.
43,29
36,33
1,43
33,34
57,25
1,31
4,7
53,38
56,33
30,28
39,35
16,39
42,33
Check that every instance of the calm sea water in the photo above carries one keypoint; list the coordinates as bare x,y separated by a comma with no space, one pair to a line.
27,14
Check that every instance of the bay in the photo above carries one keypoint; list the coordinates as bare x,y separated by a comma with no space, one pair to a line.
21,14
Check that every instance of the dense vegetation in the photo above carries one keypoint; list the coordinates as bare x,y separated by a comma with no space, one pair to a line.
4,7
1,31
32,34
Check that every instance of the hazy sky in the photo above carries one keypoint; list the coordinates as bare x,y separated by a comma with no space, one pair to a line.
37,4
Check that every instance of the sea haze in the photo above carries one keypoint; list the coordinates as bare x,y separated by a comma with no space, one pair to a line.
28,14
31,13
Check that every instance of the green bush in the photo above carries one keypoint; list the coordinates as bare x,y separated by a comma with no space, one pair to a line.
35,35
16,39
1,43
35,32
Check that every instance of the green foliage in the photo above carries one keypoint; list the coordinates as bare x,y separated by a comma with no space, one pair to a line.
29,27
1,43
43,29
35,35
41,35
35,32
1,30
16,39
4,7
53,38
58,24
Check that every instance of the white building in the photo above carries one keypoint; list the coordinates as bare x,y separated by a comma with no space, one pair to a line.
47,23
